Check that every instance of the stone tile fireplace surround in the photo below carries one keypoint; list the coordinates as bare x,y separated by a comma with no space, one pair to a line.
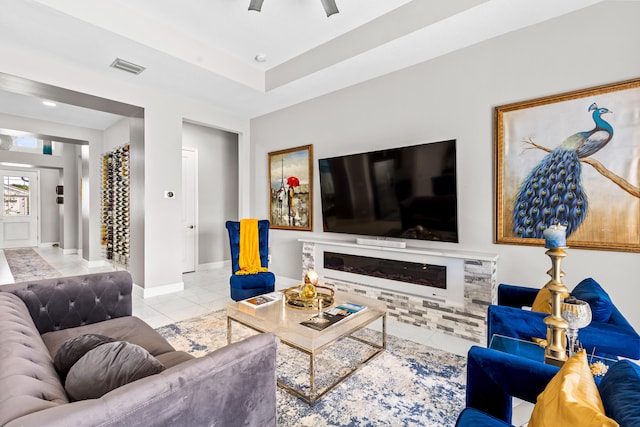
460,311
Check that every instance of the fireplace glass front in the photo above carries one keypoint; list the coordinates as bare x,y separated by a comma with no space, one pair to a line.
400,271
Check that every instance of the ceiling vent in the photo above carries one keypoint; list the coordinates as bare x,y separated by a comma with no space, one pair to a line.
329,6
127,66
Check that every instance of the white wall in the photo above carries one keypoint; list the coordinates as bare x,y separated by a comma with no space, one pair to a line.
164,113
116,135
454,97
217,188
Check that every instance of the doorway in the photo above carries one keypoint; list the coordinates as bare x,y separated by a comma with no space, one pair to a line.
216,196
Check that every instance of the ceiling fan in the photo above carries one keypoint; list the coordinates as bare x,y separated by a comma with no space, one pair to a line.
329,6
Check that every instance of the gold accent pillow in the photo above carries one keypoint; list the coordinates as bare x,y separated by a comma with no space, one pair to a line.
571,398
542,303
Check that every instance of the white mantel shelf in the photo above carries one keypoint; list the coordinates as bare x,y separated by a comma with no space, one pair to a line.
448,253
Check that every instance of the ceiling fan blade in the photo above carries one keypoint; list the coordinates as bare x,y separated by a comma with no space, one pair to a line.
330,7
255,5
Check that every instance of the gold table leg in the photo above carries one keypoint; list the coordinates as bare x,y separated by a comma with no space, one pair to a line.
312,379
313,396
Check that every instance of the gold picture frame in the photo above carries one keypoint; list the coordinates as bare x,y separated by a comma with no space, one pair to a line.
291,188
572,158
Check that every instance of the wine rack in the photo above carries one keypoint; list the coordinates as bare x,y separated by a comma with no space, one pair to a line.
115,205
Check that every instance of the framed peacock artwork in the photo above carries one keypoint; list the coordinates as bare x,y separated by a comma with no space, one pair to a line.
571,159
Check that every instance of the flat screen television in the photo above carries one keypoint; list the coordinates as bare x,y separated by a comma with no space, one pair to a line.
405,192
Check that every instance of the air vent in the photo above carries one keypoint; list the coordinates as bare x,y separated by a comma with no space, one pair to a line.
127,66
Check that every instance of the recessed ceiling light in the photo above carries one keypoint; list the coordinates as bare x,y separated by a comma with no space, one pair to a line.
16,165
49,103
261,57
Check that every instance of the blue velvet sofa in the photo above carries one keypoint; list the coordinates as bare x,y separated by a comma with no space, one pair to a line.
494,378
609,332
249,285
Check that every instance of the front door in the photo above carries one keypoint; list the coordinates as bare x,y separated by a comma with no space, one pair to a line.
189,210
19,215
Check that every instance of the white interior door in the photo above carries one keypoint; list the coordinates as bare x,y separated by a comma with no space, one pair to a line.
189,201
19,215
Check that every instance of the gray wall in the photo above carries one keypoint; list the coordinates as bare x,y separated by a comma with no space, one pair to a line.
137,204
49,211
217,188
454,97
69,211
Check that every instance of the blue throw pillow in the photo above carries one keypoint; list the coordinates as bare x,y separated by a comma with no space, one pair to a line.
590,291
620,393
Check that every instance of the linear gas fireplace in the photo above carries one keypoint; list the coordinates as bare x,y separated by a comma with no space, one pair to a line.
445,290
415,273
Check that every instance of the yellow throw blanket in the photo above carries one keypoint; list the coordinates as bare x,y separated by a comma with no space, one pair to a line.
249,258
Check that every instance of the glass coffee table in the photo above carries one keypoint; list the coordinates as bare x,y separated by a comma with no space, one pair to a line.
284,322
532,350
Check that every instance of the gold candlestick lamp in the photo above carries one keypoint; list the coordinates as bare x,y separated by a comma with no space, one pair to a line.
555,352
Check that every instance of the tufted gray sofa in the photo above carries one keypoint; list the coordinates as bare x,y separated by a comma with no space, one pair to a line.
235,385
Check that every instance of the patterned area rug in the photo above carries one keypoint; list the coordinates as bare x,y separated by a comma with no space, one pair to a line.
407,385
25,264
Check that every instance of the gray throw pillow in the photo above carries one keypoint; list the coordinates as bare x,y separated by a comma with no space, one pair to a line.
108,367
73,349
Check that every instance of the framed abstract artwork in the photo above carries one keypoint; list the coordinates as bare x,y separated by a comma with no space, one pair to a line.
291,188
571,159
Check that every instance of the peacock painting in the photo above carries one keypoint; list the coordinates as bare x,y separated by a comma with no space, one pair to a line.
571,159
552,193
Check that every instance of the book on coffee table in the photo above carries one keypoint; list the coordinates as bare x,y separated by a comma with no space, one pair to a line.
264,299
346,309
332,315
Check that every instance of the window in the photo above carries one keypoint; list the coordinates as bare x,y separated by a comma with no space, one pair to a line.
25,142
29,144
16,192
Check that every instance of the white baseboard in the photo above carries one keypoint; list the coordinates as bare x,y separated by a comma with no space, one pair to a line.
157,290
47,244
69,251
214,265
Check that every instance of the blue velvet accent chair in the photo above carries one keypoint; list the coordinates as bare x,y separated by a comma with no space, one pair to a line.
494,378
609,332
249,285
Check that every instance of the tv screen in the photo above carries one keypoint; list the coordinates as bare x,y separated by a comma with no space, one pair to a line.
406,192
